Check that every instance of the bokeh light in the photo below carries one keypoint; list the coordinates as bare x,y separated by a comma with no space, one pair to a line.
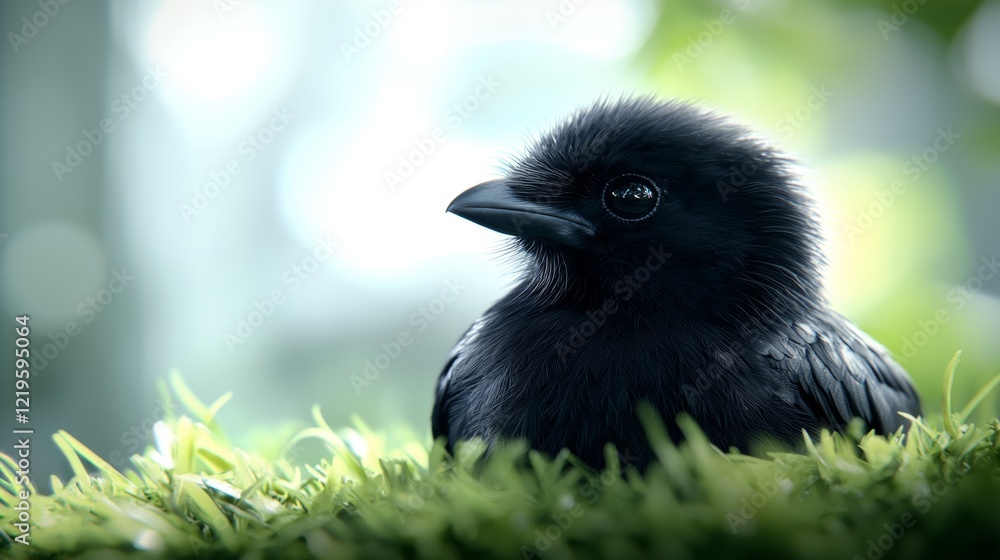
243,139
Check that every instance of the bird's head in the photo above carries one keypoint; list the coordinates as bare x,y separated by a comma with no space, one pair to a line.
661,202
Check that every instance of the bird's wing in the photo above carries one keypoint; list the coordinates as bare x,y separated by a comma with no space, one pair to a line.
841,373
440,411
439,414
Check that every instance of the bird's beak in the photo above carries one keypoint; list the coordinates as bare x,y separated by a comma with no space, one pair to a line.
492,204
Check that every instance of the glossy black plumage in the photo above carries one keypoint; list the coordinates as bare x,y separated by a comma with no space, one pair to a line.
708,304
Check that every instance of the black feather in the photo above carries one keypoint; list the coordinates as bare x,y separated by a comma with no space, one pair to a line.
670,257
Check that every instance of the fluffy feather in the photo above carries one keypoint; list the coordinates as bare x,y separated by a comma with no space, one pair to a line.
710,306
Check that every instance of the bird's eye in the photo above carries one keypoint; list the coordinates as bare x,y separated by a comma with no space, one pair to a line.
631,197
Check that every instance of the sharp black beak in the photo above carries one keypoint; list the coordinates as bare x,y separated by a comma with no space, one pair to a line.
492,204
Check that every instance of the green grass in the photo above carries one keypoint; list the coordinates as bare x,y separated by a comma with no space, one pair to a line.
847,495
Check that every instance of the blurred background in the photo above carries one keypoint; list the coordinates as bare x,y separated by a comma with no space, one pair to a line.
252,193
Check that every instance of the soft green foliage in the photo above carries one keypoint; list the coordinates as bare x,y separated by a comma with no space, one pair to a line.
934,495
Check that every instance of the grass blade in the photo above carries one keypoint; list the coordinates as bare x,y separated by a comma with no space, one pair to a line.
949,381
978,398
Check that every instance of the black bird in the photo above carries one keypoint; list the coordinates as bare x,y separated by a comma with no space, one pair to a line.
671,258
